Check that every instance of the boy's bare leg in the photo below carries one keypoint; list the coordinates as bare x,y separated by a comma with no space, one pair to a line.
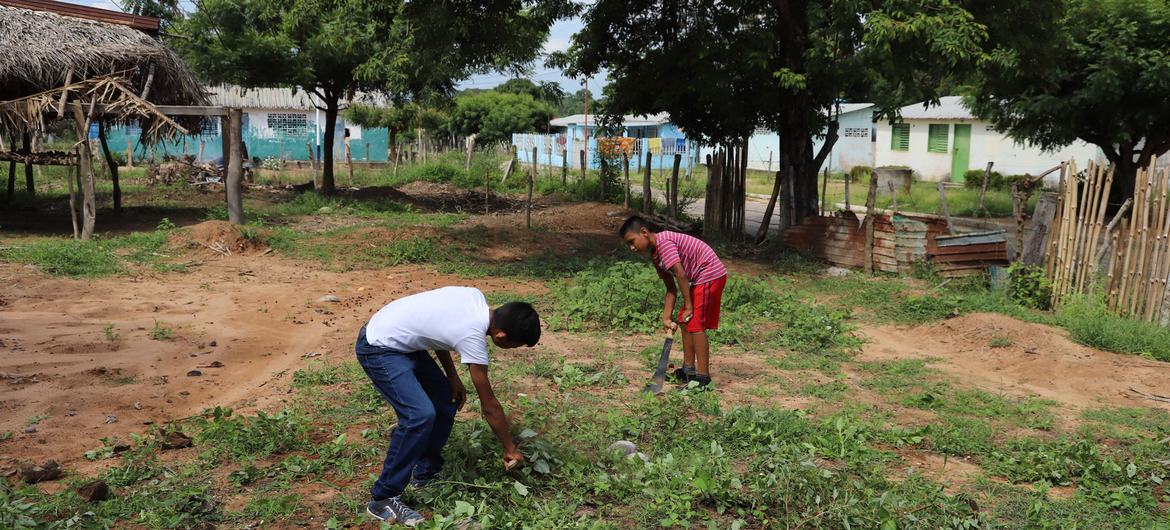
688,348
702,352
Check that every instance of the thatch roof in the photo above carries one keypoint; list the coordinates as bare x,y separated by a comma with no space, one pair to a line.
41,51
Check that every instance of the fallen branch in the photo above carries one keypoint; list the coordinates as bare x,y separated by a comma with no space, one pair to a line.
1152,397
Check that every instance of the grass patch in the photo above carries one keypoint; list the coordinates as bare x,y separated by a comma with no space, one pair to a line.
1091,323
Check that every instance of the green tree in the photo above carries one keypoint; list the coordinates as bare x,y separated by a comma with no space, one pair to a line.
494,116
723,69
547,91
334,48
168,11
401,117
1100,74
574,103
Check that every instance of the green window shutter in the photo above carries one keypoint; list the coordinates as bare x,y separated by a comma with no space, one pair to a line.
900,137
937,139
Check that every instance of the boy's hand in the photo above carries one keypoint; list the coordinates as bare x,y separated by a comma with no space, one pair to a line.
685,315
669,326
512,459
458,393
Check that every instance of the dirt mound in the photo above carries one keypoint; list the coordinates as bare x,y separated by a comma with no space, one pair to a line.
220,237
997,353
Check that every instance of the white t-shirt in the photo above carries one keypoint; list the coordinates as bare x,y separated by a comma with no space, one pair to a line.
450,318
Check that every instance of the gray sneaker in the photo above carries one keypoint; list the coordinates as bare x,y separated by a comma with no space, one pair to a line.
392,511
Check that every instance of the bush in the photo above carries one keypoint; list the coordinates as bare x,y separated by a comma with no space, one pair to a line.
625,296
1029,286
998,181
860,173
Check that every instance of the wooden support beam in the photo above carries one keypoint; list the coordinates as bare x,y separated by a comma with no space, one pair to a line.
235,167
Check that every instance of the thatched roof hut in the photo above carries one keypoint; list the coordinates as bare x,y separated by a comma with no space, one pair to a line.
42,50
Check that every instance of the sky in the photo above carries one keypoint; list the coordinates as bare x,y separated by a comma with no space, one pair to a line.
558,40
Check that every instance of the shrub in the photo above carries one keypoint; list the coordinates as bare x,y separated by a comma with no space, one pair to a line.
1028,286
624,296
67,257
998,180
860,173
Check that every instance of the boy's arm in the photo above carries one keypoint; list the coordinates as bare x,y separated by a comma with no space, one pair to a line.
493,413
684,285
668,325
458,391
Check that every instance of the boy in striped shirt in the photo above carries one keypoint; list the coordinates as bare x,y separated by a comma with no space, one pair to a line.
689,265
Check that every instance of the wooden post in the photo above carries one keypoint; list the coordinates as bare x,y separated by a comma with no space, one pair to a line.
647,195
235,167
112,165
12,172
470,150
942,202
312,164
69,171
129,153
584,168
870,199
349,160
770,162
894,195
367,159
824,188
85,166
528,206
550,161
565,168
980,210
487,191
203,145
762,232
674,186
535,154
26,147
626,170
848,178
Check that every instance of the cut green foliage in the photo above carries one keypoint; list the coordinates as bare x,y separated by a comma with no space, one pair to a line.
233,436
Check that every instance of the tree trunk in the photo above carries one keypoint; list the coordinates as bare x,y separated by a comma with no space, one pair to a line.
26,147
331,110
796,152
392,145
112,165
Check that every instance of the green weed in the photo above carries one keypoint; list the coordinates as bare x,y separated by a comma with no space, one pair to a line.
1091,323
161,332
111,333
233,436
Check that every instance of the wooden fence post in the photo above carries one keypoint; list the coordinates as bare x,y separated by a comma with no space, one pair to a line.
528,207
584,168
129,153
867,261
564,168
942,202
626,170
674,186
535,155
647,194
235,167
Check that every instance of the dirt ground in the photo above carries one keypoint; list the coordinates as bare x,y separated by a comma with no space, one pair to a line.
78,361
1040,360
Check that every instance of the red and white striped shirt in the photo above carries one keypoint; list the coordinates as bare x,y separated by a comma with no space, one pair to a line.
699,262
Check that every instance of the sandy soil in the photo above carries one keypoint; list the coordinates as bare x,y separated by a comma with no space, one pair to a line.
1040,361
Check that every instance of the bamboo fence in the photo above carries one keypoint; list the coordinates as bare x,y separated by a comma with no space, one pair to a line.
1126,256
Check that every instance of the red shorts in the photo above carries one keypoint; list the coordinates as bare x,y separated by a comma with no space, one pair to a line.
707,297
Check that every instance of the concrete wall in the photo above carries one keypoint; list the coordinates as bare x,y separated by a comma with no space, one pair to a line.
1010,157
261,140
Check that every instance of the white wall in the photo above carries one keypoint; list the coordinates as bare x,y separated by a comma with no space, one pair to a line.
1010,157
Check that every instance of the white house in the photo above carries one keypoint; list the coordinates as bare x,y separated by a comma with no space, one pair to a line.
943,142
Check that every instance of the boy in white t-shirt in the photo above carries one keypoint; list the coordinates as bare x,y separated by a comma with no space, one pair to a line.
393,350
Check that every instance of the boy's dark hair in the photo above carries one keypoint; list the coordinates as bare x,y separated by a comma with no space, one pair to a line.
634,224
519,320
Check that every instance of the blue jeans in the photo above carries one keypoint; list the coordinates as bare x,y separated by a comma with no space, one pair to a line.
420,394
